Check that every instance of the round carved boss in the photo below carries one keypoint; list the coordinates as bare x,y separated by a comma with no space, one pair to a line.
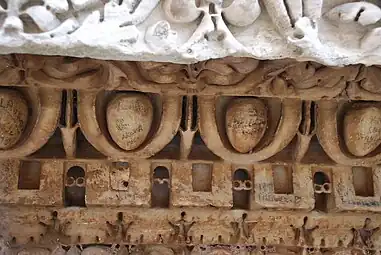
129,119
245,123
362,129
13,117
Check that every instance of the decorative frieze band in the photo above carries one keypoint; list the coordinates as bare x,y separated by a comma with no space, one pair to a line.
304,112
188,231
228,76
189,158
335,32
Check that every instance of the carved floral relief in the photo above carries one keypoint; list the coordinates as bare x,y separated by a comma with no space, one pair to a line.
329,32
248,129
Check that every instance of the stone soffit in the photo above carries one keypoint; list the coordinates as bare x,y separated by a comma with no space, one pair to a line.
335,32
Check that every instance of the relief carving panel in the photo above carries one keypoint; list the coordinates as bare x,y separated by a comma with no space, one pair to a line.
224,156
332,32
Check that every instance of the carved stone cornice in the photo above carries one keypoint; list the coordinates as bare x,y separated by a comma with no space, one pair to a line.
228,76
330,32
224,156
314,100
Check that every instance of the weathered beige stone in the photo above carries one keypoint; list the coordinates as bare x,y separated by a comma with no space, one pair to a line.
96,250
174,193
129,119
220,252
34,251
362,130
13,117
158,250
246,122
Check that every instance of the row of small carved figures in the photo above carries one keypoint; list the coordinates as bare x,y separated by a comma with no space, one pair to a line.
117,249
242,232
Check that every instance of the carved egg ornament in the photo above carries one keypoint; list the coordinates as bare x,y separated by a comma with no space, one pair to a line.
129,119
158,250
13,117
246,123
96,250
362,130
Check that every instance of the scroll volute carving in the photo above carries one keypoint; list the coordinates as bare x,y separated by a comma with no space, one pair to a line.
296,20
11,73
224,72
70,73
262,127
126,124
350,132
366,85
360,13
305,79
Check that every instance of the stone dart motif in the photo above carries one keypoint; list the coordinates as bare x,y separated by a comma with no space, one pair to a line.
189,125
69,125
306,130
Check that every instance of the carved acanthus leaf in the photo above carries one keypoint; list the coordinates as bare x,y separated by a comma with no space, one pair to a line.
361,12
9,70
296,20
181,11
227,71
129,13
43,14
369,78
64,71
242,13
214,20
159,72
